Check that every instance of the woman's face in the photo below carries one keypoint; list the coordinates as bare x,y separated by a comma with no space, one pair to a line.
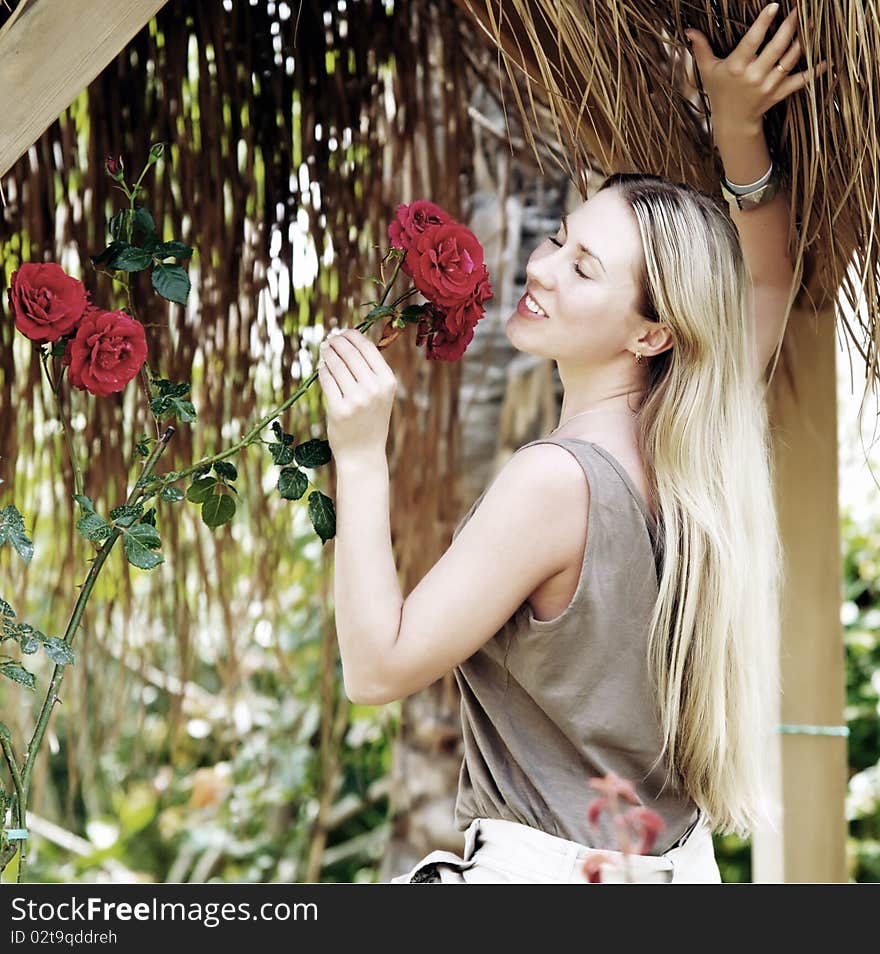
588,300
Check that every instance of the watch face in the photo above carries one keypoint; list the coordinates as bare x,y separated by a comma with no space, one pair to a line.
758,197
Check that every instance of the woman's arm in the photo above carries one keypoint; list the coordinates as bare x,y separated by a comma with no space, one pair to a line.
763,235
763,231
741,88
524,532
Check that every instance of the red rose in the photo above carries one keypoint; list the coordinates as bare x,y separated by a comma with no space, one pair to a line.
411,221
467,313
45,301
441,343
108,351
446,264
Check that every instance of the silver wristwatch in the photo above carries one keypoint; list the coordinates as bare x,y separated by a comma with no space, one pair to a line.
751,196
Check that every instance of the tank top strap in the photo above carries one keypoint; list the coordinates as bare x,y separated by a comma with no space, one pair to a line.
608,477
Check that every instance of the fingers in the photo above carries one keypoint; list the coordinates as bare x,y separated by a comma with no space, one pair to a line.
701,50
332,391
346,358
745,51
789,60
774,51
349,363
797,81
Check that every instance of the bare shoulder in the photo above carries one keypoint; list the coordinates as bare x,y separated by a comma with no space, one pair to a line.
547,485
547,470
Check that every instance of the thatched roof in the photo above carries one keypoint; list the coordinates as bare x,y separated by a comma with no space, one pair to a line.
296,129
617,79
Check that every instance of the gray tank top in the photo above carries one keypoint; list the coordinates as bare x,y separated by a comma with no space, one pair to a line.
548,704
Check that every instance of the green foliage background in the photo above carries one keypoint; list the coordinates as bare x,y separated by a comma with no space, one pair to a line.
232,796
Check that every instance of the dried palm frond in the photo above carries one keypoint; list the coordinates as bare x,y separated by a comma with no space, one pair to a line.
617,80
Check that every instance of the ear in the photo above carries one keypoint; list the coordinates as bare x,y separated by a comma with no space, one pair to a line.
654,339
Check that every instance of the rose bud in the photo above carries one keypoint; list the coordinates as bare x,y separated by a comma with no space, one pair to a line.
115,168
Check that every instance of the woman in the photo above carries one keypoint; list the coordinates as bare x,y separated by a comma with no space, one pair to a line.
610,602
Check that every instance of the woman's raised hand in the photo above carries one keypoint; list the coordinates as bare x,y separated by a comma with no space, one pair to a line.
744,85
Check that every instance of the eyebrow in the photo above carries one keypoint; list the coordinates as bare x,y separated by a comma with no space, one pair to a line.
583,248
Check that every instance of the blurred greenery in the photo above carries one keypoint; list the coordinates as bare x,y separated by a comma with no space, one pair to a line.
234,795
860,616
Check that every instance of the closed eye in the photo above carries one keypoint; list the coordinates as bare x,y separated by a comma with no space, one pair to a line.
559,244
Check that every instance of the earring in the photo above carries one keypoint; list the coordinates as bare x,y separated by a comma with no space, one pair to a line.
638,356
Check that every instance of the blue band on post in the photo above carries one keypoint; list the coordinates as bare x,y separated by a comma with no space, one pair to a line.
814,729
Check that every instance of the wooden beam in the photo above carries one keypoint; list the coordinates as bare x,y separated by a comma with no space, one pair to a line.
808,771
50,53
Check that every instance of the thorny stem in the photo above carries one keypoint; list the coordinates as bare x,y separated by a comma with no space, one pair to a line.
20,812
143,379
65,426
253,435
70,633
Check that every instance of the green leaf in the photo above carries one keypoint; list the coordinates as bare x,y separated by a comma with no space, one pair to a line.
12,531
171,282
281,453
150,517
144,226
131,259
202,488
170,388
140,541
292,483
118,225
226,470
125,516
312,453
18,674
201,471
165,406
94,527
28,644
110,252
58,651
172,250
84,502
170,494
322,514
26,631
218,509
6,611
5,734
413,313
380,311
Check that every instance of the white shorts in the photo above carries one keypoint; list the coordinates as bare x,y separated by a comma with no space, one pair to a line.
506,852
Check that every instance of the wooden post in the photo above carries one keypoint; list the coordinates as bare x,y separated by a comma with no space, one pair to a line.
809,771
50,51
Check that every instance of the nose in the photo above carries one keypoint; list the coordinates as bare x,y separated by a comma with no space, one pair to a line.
540,268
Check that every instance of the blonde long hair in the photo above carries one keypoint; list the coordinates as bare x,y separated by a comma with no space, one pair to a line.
704,438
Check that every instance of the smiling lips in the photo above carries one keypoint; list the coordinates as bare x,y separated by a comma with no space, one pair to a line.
528,306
